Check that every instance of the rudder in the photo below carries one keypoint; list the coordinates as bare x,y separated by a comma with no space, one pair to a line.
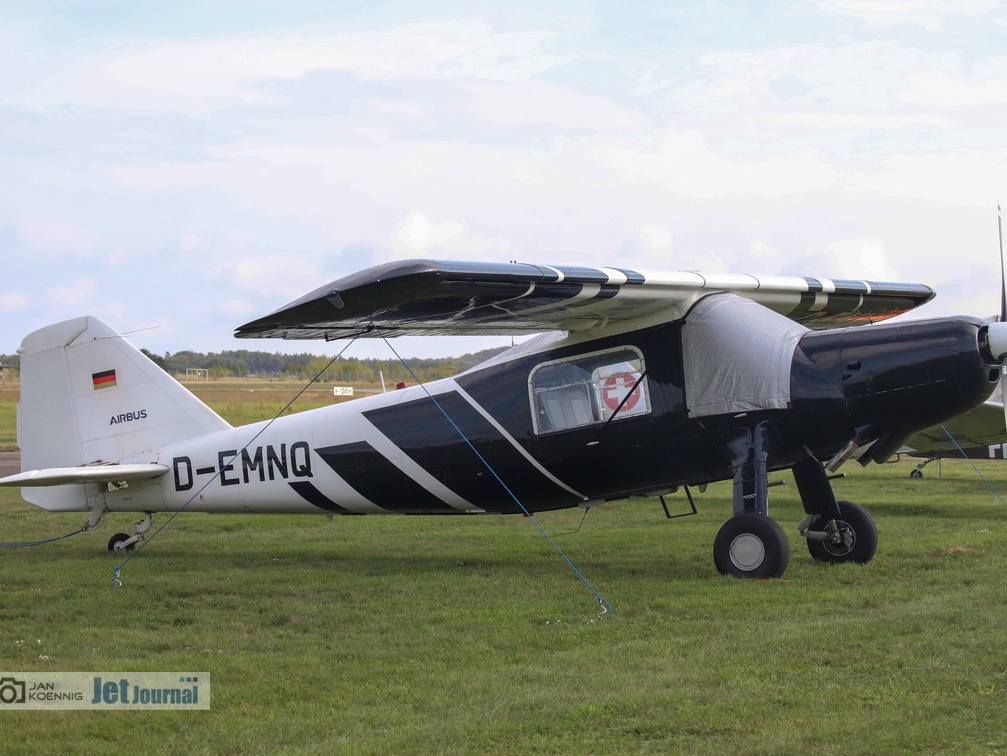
88,396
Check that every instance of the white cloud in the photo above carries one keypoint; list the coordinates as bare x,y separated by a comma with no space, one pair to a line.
958,177
945,90
237,308
656,242
195,243
278,158
830,120
932,15
534,102
861,259
169,175
277,275
59,235
208,74
684,164
14,300
763,252
80,292
418,233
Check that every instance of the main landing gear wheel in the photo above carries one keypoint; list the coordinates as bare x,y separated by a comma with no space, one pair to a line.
751,545
114,541
856,538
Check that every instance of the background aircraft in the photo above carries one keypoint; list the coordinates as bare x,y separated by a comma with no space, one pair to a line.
980,433
641,383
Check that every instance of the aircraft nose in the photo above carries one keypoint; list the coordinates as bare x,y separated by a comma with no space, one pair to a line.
996,342
920,373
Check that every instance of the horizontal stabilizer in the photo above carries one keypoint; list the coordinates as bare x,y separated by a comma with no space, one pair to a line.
417,297
61,476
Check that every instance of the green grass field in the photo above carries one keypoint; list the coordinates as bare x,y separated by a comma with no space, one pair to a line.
377,635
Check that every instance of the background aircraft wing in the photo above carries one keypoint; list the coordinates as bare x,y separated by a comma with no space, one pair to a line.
418,297
983,426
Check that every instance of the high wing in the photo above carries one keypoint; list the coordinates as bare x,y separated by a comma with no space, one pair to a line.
417,297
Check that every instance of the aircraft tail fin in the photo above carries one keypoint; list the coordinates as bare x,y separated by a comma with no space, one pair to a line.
89,397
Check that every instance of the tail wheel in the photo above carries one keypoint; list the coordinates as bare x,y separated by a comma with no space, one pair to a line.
751,545
114,541
856,539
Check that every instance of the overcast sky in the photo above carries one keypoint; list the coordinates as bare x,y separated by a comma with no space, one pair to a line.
186,167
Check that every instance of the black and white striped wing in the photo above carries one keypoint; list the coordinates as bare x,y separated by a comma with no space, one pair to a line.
418,297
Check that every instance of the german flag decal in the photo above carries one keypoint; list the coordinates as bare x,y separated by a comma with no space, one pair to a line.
105,379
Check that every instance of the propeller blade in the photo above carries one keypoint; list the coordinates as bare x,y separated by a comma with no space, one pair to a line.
999,394
1003,278
1003,308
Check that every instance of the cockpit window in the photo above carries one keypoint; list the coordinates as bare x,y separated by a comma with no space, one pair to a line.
588,390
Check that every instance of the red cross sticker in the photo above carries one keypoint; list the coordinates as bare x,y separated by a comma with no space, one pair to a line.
616,387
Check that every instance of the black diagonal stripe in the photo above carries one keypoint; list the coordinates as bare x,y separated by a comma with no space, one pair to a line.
378,480
582,275
803,313
420,429
632,277
315,497
848,286
814,285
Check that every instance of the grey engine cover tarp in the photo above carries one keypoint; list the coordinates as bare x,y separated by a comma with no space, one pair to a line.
737,356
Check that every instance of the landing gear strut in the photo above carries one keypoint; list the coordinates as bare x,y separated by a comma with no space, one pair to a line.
754,545
751,544
837,531
121,542
118,543
852,537
917,472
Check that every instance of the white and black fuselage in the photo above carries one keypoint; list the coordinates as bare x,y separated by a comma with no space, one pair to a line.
483,442
645,385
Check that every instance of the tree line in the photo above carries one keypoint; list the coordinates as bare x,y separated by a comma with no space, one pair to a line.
243,363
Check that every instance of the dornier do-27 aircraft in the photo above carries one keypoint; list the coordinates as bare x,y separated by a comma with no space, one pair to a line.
637,384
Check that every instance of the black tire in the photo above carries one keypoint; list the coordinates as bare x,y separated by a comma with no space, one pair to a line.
855,522
751,545
916,473
117,539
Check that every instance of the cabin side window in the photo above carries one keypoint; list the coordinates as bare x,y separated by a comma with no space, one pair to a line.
588,390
